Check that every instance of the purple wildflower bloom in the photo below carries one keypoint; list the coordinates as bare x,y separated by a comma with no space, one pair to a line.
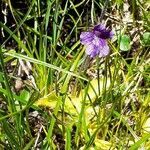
95,41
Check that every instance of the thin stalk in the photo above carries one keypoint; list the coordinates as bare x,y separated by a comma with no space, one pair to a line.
103,10
98,75
10,95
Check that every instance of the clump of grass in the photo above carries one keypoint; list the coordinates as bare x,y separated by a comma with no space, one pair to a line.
52,96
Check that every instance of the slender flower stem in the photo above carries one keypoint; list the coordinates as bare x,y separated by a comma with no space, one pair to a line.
103,10
98,75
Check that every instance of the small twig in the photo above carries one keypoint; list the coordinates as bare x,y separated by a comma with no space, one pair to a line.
38,136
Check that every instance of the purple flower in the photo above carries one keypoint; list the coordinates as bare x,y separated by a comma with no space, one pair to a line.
95,41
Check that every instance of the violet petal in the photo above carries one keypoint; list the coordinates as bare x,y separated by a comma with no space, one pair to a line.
92,50
86,37
104,49
102,32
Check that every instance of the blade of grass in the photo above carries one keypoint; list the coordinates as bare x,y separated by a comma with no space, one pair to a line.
20,43
140,142
68,139
29,145
70,73
21,23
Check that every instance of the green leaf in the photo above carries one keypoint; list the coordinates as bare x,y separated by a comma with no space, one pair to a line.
125,43
25,95
146,39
